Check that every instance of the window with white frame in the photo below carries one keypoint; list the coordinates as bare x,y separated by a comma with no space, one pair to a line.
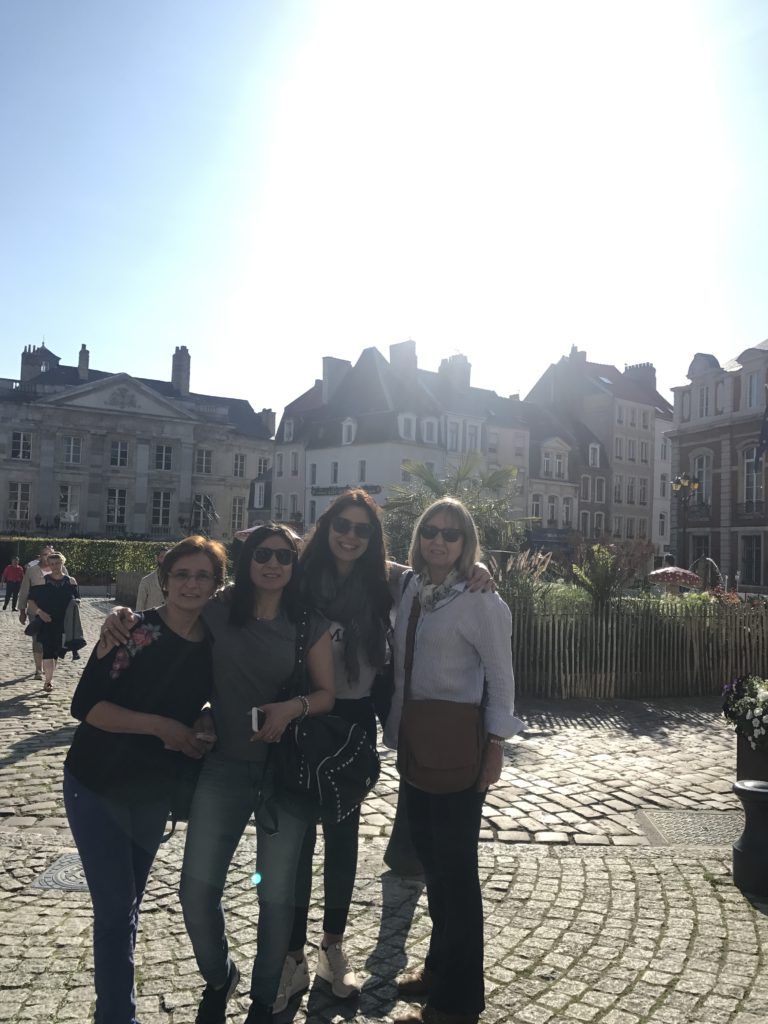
334,472
429,431
632,416
67,503
600,490
631,450
262,465
702,470
161,508
238,468
703,402
293,504
163,457
618,447
288,431
237,519
278,502
21,445
663,481
559,465
279,464
551,510
546,463
619,414
18,502
642,529
117,500
586,488
664,449
204,460
618,488
642,491
594,456
630,528
584,523
631,490
618,525
348,431
751,391
73,449
294,463
472,438
407,427
202,512
453,436
313,472
258,495
118,454
645,451
719,397
361,471
645,417
567,512
753,475
536,506
599,528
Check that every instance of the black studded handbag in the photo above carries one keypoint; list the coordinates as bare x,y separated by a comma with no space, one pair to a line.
323,758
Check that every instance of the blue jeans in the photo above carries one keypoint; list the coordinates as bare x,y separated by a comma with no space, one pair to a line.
117,845
226,796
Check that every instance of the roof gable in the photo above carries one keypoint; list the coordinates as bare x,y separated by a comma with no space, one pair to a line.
118,393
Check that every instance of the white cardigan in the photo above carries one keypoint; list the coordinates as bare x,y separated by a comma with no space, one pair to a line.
464,642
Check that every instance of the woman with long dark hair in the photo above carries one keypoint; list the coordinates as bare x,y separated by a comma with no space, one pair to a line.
345,575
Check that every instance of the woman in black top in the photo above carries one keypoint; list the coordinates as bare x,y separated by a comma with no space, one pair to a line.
139,705
49,602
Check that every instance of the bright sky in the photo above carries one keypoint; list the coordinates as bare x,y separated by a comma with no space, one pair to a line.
271,181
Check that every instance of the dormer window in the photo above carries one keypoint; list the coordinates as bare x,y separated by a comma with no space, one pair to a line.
288,431
348,431
429,431
407,427
594,456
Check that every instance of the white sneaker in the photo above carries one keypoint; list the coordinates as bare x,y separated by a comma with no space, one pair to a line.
295,978
333,967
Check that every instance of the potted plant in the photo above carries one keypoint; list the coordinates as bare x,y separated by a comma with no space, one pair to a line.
745,706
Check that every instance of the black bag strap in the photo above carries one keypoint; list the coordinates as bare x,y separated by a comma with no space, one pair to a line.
410,645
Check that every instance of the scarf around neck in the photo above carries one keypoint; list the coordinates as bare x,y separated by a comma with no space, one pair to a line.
431,594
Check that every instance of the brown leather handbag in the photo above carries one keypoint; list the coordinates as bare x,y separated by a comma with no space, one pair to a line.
440,743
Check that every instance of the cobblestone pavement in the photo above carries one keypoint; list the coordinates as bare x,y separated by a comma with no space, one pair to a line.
585,920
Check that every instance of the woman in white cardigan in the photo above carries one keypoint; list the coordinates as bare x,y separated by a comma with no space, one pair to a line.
461,652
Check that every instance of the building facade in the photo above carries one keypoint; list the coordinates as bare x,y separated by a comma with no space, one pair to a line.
102,454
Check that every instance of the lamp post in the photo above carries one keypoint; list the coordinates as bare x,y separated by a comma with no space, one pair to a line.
684,487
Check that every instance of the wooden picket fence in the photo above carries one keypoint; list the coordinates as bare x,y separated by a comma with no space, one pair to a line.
637,651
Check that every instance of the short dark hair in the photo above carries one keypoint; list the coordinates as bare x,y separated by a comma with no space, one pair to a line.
196,545
241,609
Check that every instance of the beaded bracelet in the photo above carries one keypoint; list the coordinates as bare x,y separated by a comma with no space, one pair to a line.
496,742
304,705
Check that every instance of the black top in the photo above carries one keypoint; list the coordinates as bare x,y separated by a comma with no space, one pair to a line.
54,596
158,672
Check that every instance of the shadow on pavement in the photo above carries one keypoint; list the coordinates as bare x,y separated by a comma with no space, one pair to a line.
634,717
21,749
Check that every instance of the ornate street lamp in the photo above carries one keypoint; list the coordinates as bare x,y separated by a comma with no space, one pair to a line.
683,488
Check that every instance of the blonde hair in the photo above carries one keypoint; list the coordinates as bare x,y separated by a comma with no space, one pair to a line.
460,514
57,554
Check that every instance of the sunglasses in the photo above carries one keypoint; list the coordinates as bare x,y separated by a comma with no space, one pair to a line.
362,530
449,533
263,555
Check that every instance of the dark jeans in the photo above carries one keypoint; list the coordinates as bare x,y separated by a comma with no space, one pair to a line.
11,592
226,797
117,845
341,841
446,832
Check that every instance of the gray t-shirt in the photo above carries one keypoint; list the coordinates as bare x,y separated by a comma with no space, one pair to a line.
250,665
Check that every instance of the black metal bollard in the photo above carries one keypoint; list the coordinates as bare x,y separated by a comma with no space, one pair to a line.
750,851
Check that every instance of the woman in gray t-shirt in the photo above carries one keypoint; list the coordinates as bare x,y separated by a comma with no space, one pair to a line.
254,632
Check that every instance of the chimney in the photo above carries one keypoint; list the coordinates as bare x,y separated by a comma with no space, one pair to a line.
402,358
268,419
334,371
577,356
82,363
180,370
642,373
457,370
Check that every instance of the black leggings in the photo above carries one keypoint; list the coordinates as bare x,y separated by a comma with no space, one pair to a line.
340,864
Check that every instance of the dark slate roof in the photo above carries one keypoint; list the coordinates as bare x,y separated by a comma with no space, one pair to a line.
603,377
240,413
543,424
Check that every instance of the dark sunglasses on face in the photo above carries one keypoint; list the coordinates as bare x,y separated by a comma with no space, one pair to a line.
362,530
449,533
263,555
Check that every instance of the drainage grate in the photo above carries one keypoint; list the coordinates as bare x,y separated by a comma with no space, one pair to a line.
691,828
66,873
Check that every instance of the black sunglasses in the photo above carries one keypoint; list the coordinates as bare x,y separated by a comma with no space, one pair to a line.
263,555
449,533
342,525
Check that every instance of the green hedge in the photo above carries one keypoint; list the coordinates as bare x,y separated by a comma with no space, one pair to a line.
91,561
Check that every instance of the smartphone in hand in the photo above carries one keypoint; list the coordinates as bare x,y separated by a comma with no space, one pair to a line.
258,718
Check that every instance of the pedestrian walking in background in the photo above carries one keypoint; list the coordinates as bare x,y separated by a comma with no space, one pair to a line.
139,706
49,602
454,694
12,576
150,594
34,574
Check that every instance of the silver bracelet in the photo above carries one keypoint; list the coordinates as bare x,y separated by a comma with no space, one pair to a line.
304,705
496,742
